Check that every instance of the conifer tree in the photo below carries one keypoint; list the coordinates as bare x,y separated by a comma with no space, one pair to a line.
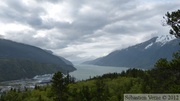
173,20
59,87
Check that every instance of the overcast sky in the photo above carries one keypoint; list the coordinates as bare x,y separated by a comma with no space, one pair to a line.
80,30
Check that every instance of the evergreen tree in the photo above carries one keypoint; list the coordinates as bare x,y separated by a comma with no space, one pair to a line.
85,94
102,91
173,20
59,87
162,63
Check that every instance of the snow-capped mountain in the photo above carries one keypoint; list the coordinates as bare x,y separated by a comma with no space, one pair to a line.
143,55
162,40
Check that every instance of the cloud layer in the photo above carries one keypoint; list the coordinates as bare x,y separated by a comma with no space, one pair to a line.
83,29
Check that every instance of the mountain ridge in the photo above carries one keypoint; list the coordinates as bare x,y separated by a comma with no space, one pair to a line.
142,55
29,60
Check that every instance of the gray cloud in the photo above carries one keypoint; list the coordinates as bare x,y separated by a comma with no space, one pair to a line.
52,1
84,29
16,11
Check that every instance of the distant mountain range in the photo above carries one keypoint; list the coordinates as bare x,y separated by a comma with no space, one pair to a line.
143,55
18,61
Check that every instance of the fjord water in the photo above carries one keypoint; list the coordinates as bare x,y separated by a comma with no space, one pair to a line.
84,72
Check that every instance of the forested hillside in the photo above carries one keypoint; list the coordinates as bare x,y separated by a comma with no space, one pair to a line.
20,61
164,78
13,69
148,52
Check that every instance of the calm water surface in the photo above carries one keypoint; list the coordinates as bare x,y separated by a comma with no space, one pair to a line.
86,71
83,72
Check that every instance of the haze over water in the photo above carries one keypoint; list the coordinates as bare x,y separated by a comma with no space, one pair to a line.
86,71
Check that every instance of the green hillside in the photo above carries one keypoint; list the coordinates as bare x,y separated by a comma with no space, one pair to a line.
13,69
163,79
19,61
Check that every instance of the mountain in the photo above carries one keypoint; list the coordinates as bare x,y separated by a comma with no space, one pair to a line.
65,60
18,61
143,55
62,58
